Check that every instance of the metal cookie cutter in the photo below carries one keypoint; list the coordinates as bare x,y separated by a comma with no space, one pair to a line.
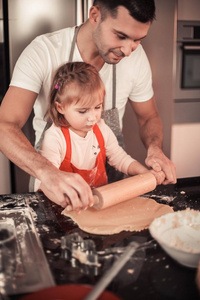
80,251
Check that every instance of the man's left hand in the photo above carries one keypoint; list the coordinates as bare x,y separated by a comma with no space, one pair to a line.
157,160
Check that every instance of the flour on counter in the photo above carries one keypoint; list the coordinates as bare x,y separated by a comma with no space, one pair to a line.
45,228
165,198
182,192
130,271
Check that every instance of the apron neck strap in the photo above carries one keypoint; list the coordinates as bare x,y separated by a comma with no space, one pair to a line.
74,43
114,87
114,66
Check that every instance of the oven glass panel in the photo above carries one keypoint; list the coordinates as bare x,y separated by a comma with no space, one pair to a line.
191,68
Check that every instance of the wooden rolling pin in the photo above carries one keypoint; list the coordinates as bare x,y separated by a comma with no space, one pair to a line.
122,190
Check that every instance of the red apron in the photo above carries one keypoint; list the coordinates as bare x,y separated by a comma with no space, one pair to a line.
94,177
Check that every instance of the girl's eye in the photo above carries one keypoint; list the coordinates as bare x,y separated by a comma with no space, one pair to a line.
82,111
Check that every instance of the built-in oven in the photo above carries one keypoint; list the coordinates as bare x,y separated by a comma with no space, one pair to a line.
188,61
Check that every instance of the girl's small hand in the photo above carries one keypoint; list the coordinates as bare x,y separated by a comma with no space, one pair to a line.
160,176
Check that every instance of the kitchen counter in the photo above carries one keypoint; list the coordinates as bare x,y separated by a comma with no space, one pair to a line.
149,274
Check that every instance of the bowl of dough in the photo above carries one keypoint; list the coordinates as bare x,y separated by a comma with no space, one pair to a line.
178,233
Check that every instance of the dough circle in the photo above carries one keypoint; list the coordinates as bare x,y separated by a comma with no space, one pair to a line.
132,215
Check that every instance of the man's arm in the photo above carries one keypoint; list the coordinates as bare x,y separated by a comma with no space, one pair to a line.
67,188
152,136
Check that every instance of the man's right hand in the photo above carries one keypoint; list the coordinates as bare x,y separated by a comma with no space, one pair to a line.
66,189
62,188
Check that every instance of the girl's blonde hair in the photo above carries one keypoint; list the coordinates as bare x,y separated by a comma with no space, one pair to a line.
74,82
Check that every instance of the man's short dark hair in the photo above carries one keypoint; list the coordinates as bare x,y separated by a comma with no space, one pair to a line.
141,10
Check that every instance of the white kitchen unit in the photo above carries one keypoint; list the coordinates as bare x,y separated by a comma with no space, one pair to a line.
185,149
5,185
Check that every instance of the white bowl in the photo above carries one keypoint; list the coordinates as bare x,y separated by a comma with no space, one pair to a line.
178,233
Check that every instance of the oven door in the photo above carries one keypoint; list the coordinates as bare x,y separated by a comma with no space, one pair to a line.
188,71
191,67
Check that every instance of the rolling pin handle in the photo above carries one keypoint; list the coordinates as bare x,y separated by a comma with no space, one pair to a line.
96,201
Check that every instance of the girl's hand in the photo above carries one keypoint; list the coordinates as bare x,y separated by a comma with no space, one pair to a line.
160,176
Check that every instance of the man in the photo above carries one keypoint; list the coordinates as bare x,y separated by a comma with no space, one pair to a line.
111,36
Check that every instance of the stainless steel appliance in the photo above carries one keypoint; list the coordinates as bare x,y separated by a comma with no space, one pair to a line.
3,51
188,60
5,180
26,20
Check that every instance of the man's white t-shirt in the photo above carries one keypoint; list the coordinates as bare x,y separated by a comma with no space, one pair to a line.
38,62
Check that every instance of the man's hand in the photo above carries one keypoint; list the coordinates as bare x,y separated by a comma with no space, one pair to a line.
67,189
152,136
157,160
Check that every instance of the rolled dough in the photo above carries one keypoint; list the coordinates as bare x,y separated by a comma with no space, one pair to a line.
132,215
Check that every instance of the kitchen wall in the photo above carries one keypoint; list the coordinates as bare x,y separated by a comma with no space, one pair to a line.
188,10
160,48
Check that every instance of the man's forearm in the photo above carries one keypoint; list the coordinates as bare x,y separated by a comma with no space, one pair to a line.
151,133
16,147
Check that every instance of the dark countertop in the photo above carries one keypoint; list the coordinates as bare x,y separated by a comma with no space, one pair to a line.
149,274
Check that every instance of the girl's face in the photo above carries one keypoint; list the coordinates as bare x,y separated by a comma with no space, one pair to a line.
81,118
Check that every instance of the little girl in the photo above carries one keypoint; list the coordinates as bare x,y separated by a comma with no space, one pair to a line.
79,141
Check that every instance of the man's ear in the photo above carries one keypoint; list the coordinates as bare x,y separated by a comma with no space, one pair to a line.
94,15
59,107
